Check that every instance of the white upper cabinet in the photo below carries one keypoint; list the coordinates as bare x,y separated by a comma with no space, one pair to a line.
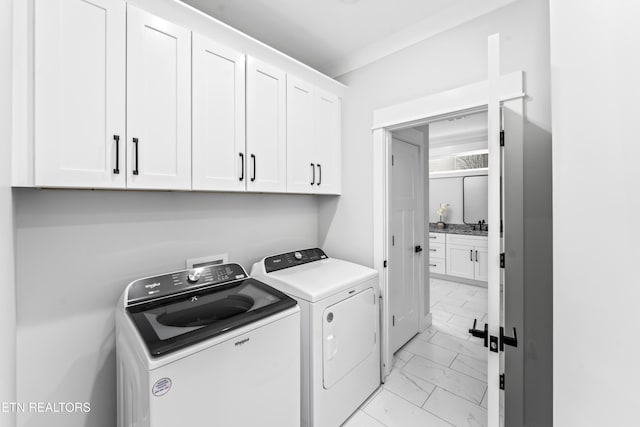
313,139
266,128
328,147
218,149
158,103
125,99
301,153
79,93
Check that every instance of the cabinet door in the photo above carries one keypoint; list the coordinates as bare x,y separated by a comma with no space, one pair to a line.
460,261
79,93
218,117
301,162
481,264
158,103
328,137
266,127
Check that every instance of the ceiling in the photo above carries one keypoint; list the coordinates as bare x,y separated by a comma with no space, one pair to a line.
338,36
459,129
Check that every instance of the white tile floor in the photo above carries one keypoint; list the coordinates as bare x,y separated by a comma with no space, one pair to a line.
439,377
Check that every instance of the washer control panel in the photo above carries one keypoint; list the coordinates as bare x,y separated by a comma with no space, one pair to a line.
164,285
293,259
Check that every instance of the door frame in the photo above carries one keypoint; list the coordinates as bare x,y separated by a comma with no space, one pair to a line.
424,319
466,99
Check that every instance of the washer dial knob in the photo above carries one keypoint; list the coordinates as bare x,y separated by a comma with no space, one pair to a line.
193,276
297,255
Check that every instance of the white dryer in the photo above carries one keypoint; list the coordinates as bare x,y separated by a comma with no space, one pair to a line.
207,347
339,330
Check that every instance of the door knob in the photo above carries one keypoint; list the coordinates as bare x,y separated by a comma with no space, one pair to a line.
418,249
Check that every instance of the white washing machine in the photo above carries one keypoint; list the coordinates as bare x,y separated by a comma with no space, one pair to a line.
207,347
339,330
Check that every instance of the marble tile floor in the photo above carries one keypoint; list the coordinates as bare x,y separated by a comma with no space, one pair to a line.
439,377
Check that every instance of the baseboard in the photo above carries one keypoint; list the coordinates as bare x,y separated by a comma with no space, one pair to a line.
427,321
459,280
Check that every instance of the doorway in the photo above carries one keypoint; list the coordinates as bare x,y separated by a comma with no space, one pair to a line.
464,100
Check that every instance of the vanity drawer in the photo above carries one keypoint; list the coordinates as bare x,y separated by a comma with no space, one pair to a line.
437,265
436,250
462,239
436,237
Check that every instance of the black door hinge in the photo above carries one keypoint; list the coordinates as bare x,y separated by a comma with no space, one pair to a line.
501,138
384,263
501,381
502,260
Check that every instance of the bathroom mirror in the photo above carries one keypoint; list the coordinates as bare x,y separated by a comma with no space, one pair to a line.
474,199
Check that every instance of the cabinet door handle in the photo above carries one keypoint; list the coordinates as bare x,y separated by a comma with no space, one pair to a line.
135,169
433,265
116,139
471,255
241,166
319,174
433,237
476,256
432,250
313,170
253,157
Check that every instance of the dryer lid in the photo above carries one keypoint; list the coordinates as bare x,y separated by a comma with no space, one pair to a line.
315,281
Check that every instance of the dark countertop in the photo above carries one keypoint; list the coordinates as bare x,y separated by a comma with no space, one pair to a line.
457,229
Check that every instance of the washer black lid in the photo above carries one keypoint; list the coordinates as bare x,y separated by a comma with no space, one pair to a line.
175,321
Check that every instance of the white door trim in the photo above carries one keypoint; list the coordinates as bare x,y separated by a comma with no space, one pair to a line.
493,218
411,113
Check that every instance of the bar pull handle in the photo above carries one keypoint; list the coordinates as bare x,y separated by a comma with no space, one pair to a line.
253,157
471,255
505,340
319,174
476,256
484,334
116,139
313,170
135,169
241,166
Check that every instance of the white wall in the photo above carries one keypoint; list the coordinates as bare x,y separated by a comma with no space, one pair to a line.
7,284
76,252
596,148
449,60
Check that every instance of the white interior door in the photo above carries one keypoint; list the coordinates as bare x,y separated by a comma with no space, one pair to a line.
218,117
80,93
404,263
158,103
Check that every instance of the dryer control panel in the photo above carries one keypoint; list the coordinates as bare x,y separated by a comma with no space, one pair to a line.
292,259
164,285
